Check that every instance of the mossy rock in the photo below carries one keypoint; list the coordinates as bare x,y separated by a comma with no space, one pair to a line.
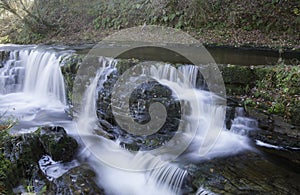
235,89
58,144
5,174
234,74
125,64
79,180
19,157
69,68
261,72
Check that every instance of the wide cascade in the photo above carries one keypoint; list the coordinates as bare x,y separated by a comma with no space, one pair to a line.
154,171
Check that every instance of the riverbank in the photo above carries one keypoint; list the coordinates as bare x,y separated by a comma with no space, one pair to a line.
271,24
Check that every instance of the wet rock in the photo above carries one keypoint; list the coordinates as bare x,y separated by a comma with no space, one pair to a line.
69,68
21,153
4,55
232,104
140,100
247,173
274,130
79,180
58,144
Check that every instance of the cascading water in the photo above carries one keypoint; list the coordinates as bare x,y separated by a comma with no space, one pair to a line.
43,76
12,75
32,85
154,173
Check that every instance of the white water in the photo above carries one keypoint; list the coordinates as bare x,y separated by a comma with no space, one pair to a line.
125,172
53,169
32,87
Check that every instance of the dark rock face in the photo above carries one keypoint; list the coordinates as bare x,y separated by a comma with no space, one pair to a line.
247,173
79,180
23,152
58,144
274,130
69,68
140,100
4,55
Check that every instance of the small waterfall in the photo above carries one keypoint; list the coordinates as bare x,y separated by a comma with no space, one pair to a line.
32,87
169,175
241,124
35,72
43,76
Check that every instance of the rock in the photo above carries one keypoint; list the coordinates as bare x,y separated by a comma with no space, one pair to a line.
4,55
79,180
246,173
139,102
58,144
237,79
69,68
20,154
274,130
295,114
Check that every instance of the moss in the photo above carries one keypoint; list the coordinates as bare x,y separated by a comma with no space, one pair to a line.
5,165
5,174
124,64
277,91
234,74
58,144
69,68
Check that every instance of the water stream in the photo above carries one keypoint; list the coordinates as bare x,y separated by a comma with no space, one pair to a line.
32,90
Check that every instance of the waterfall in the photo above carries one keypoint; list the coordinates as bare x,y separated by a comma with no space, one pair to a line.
35,72
152,172
43,76
32,87
121,179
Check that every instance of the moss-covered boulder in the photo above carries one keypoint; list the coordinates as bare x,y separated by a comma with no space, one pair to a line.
20,154
238,79
69,67
58,144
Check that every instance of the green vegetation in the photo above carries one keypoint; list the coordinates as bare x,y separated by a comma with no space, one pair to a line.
231,22
278,91
70,66
271,89
5,164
